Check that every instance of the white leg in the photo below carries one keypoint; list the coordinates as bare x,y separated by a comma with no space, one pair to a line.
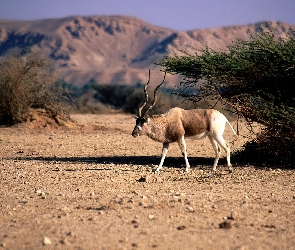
164,152
225,146
182,146
216,150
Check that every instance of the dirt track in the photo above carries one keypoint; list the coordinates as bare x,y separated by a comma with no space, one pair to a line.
93,188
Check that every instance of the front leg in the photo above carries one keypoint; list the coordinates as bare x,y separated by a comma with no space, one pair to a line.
182,146
164,152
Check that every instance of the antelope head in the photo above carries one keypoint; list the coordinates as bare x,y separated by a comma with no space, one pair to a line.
142,117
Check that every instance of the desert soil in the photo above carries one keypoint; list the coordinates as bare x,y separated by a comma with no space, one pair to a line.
93,188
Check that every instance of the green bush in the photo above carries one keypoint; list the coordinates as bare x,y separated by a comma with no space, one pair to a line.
26,83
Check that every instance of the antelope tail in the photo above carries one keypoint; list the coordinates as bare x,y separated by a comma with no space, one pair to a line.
234,132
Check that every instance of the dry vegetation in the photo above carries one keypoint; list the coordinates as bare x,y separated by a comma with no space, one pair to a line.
92,187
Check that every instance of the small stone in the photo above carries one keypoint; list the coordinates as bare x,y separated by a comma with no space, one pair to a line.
39,191
46,241
190,209
142,179
225,225
181,228
232,215
65,242
151,216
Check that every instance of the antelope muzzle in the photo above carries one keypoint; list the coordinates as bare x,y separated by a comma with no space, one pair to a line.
136,131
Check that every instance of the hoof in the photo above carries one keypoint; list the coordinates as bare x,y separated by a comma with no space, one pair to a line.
230,169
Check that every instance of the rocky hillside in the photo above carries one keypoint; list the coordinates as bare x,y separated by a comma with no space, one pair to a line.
115,49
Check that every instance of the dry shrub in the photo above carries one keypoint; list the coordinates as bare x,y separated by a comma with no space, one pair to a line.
26,83
268,149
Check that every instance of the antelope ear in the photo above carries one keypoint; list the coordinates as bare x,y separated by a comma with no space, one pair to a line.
148,119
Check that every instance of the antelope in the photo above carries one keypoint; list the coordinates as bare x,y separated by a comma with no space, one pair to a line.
177,124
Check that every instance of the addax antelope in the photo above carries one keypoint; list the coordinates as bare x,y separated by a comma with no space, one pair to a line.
178,123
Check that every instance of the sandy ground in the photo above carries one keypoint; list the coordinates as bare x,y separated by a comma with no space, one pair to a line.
93,188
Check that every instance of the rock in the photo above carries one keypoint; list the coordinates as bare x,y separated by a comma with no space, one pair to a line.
191,209
39,191
64,242
142,179
225,225
181,228
232,216
46,241
151,217
43,195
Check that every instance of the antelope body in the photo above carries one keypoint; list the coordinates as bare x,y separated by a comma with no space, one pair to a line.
177,124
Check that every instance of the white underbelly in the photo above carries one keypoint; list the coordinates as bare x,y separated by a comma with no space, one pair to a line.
197,137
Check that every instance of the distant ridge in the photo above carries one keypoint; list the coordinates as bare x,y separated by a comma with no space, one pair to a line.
116,49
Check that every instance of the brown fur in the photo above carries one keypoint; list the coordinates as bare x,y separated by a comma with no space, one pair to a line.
169,127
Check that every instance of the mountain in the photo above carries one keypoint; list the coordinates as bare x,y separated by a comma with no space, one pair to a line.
116,49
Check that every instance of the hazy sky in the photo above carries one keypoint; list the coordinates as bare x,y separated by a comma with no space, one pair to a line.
175,14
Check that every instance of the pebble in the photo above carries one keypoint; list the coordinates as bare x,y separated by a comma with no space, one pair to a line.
190,209
225,225
46,241
65,242
151,216
39,191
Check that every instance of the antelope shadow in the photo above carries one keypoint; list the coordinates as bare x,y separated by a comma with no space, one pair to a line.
175,162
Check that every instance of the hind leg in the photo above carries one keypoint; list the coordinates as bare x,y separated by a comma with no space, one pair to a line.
216,150
220,140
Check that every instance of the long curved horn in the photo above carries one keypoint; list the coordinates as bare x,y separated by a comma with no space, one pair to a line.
146,95
155,97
